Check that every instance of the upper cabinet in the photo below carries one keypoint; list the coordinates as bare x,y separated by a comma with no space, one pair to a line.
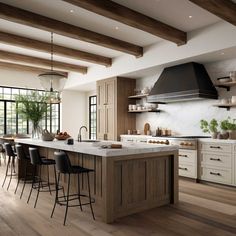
112,117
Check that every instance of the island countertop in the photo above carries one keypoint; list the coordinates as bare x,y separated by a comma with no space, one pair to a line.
95,148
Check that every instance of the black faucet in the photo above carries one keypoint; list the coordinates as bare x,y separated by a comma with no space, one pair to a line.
79,136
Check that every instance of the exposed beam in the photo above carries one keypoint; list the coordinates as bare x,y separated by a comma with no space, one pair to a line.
225,9
15,57
9,65
12,39
20,16
132,18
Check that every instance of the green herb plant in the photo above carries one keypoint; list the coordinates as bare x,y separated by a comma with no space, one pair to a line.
32,106
209,127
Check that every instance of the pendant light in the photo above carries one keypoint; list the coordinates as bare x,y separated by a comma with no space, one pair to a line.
53,81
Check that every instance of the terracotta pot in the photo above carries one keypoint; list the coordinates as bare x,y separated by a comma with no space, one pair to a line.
225,134
214,135
232,134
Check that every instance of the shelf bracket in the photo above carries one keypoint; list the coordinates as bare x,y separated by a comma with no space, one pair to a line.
224,86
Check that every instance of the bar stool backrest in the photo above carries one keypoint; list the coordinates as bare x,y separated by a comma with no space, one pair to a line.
20,152
35,158
63,164
9,150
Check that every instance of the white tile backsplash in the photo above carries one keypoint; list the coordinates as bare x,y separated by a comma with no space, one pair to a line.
184,117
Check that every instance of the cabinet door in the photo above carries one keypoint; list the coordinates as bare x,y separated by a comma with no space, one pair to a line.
101,123
100,94
110,125
110,93
109,109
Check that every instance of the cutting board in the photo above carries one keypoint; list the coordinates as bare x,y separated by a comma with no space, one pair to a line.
146,128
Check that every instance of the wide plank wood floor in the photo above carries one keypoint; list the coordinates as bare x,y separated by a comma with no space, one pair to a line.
202,210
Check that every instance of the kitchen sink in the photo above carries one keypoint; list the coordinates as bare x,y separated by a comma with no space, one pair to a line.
90,141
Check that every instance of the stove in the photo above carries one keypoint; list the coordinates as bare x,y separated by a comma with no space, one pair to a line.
184,142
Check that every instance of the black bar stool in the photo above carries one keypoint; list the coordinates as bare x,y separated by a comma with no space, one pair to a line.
37,161
2,152
63,166
23,159
11,163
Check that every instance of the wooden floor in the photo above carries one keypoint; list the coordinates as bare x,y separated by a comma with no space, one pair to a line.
202,210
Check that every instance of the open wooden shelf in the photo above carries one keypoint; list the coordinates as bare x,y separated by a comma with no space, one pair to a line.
139,96
225,85
146,110
226,106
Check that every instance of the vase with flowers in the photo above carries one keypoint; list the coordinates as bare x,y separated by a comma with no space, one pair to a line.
33,107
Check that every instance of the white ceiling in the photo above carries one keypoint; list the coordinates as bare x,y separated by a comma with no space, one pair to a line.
173,12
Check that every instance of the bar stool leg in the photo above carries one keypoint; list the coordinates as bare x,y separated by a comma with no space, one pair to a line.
18,181
39,185
33,181
23,188
57,179
8,163
10,175
49,182
90,202
79,193
67,200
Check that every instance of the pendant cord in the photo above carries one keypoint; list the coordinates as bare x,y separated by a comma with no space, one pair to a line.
51,51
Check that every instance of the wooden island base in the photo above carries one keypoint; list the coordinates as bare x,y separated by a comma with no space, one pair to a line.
123,185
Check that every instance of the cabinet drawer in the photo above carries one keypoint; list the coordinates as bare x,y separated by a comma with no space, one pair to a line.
216,175
216,147
187,156
187,170
219,160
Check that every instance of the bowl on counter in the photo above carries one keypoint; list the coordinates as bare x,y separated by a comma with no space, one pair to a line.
62,136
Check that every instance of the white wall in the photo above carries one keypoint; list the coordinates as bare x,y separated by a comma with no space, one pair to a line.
183,117
18,78
74,112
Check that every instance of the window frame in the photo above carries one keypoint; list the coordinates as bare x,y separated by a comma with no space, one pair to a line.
92,135
21,91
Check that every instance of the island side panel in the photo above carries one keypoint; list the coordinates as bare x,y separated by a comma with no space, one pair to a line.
135,183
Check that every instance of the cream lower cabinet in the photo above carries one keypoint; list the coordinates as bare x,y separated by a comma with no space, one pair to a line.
188,163
113,118
216,162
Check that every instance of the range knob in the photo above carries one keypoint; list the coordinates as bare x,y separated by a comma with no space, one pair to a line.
182,143
167,142
150,141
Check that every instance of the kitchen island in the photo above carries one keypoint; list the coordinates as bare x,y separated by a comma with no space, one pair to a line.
128,180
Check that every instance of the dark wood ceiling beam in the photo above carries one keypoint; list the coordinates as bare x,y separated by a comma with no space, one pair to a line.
225,9
15,57
20,16
14,66
132,18
12,39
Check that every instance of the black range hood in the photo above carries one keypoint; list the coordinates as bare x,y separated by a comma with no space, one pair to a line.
183,82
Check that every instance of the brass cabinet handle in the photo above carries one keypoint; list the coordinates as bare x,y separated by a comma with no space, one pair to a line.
180,155
105,136
218,147
213,173
182,168
215,159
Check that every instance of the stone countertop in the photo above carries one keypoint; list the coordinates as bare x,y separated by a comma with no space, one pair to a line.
95,148
230,141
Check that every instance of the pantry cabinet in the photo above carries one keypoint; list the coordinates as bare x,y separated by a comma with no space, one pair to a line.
112,105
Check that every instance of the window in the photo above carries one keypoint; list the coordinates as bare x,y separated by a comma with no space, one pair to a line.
92,117
13,123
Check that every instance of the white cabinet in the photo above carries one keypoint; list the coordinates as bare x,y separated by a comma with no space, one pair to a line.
188,163
217,162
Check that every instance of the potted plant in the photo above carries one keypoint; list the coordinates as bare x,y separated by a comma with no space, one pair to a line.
224,125
210,127
33,107
232,128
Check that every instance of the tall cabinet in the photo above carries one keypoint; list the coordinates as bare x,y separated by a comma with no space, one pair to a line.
113,118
